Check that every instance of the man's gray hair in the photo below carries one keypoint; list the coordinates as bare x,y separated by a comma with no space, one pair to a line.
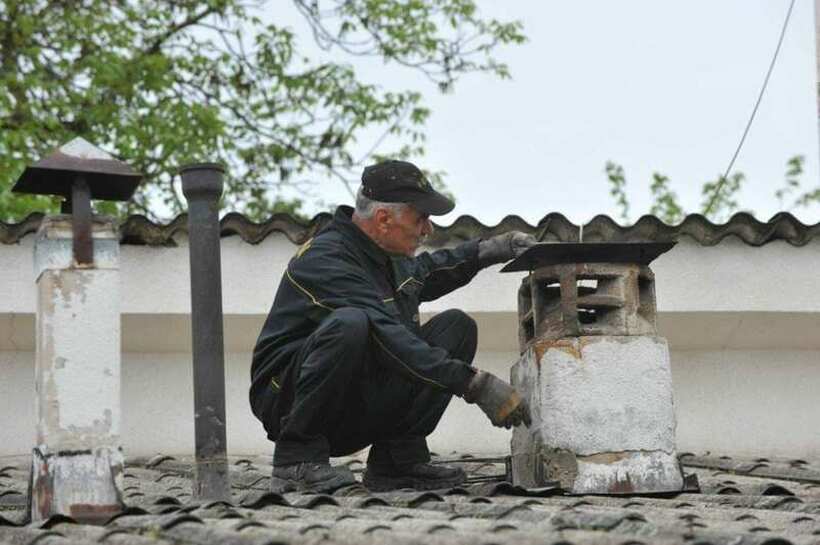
366,207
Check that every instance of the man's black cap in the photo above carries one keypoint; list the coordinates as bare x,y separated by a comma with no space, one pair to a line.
400,181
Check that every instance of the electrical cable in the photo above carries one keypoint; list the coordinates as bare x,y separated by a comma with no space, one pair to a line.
725,176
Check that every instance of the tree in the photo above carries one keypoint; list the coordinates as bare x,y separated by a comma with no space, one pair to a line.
163,82
720,196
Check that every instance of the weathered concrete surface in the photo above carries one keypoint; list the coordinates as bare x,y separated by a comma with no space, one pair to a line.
77,458
603,415
601,394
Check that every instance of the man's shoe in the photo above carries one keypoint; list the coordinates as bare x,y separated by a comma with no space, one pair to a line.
418,476
310,477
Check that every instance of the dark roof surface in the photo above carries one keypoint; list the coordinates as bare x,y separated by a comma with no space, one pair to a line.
772,502
552,227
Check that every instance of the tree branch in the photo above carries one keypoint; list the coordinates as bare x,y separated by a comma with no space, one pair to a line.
158,41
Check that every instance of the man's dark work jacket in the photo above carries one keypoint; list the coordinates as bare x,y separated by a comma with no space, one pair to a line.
342,267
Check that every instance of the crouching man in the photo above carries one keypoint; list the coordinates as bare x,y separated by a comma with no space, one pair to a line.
342,361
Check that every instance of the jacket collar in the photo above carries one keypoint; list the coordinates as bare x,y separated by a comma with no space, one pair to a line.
343,222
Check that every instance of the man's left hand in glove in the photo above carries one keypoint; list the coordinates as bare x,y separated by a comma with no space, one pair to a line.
500,402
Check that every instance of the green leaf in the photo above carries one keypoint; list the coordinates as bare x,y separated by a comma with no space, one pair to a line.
617,188
162,82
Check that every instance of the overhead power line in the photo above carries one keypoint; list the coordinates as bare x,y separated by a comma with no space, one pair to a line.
725,176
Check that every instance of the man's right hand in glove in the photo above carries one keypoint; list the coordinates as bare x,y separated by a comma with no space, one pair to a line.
499,401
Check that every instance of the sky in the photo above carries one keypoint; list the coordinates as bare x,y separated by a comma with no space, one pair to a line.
657,86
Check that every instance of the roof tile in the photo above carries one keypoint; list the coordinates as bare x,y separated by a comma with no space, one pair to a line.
553,227
488,512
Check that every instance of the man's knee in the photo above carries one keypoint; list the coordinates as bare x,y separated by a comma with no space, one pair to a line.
460,324
461,321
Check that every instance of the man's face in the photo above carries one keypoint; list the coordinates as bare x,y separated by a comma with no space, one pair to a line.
401,232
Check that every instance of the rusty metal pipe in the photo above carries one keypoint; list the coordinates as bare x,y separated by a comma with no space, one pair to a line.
202,187
83,244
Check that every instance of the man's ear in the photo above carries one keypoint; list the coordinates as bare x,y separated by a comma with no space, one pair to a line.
383,219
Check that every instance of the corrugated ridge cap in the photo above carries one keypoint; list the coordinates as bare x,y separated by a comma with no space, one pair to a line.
553,227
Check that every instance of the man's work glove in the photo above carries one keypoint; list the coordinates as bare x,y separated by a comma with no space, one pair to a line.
499,401
502,248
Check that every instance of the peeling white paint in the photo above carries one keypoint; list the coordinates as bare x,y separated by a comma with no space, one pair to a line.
78,358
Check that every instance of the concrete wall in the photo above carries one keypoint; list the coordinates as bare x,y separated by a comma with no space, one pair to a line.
742,324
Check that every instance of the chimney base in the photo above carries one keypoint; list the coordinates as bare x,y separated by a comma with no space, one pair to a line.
603,416
84,485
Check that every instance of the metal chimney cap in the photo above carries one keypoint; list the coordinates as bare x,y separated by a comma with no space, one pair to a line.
109,179
556,253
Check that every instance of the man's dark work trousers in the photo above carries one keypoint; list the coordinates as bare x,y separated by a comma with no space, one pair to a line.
346,399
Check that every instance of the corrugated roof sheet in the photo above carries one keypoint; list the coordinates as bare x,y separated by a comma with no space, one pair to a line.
552,227
772,502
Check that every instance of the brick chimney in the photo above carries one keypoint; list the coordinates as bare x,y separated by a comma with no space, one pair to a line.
595,372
